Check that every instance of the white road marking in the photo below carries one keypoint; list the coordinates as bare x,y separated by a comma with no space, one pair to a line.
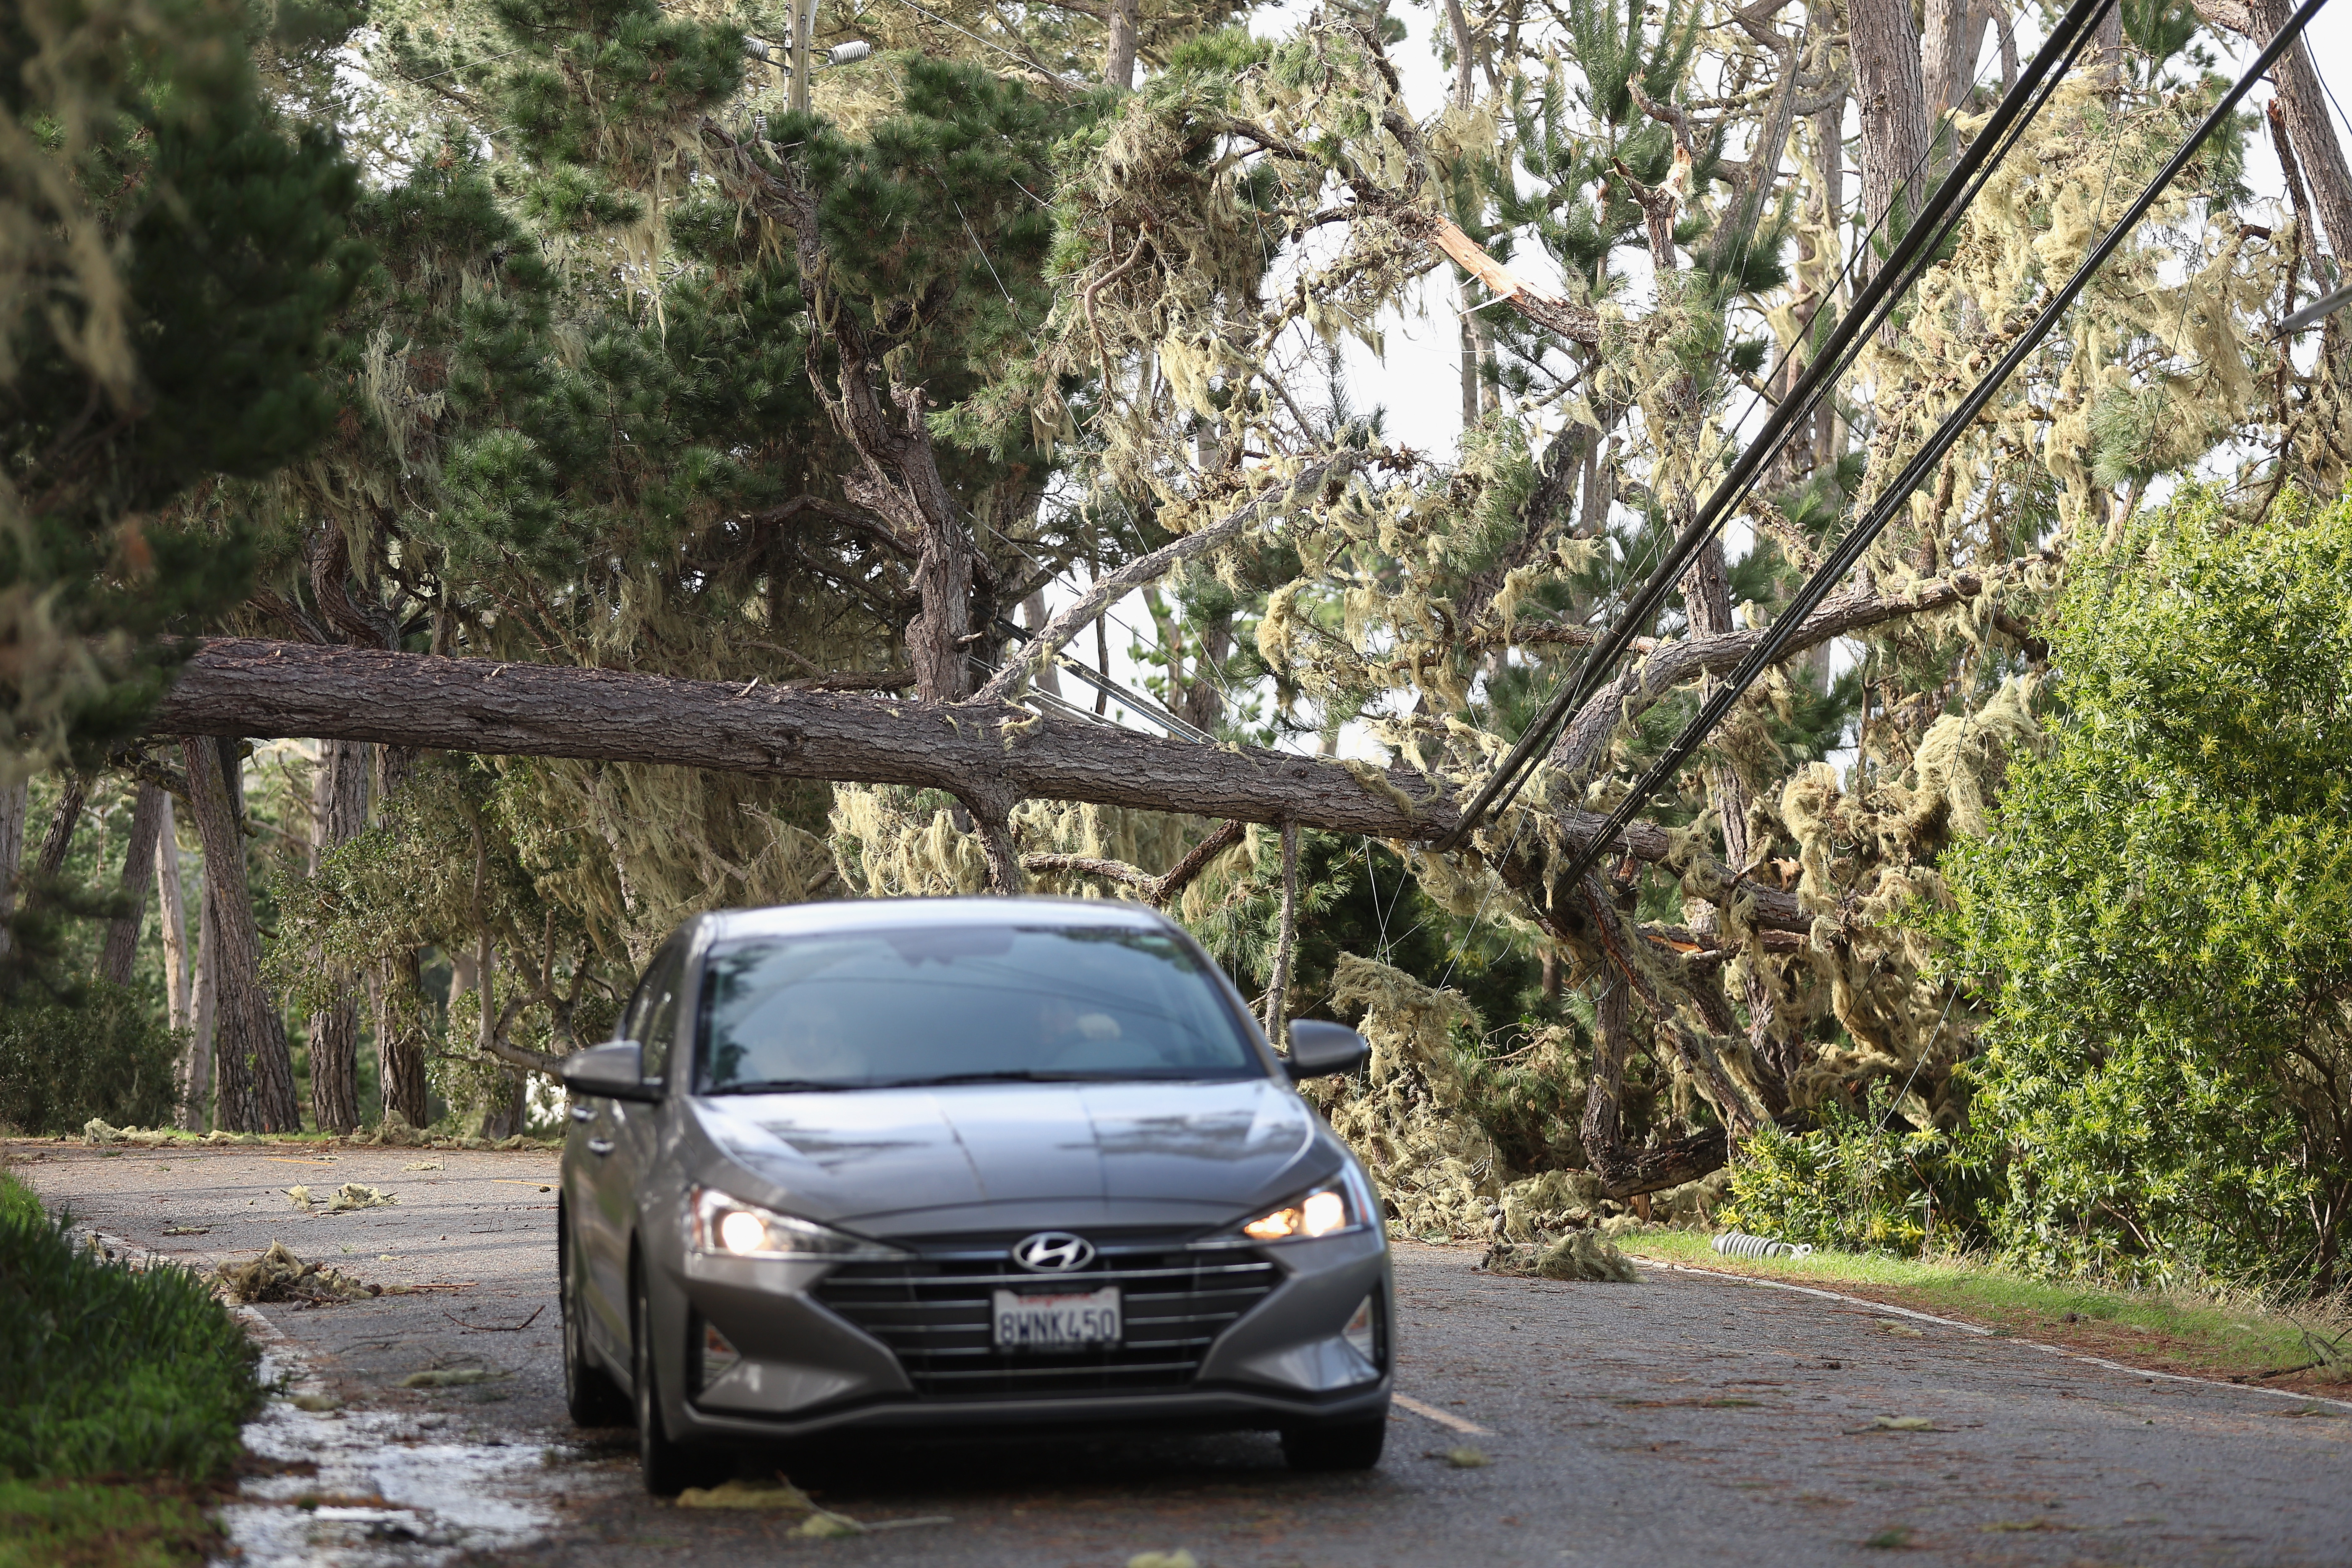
1984,1333
1443,1417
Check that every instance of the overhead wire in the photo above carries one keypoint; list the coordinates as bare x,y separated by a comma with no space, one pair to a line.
1913,252
1923,462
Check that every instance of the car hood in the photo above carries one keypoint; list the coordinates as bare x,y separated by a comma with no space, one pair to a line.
902,1160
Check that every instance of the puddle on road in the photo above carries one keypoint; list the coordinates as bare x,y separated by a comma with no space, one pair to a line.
392,1490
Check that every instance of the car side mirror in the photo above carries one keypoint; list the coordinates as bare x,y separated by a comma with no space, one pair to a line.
1319,1050
614,1070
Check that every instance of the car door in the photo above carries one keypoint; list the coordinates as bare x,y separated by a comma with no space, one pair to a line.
615,1162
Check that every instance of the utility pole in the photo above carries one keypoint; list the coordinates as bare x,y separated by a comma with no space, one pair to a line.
804,26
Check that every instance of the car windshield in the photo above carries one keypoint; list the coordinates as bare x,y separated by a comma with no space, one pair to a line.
964,1004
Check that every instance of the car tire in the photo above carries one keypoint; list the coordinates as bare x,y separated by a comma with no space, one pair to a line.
669,1467
591,1397
1353,1445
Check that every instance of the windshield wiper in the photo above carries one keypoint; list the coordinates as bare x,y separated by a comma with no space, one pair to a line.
781,1086
1010,1075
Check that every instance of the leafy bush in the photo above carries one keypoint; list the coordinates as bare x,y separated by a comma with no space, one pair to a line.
1859,1183
2160,918
105,1055
104,1371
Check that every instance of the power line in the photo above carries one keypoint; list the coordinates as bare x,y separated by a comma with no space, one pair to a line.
1912,253
1897,496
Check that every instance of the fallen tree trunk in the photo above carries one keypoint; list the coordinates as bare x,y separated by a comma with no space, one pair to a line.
248,687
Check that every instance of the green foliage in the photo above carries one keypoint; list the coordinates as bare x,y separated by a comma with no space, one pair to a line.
172,251
2160,919
1858,1182
108,1371
105,1054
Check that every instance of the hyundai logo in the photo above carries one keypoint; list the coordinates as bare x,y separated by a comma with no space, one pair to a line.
1053,1252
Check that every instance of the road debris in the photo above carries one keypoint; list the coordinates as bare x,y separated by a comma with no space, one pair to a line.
779,1496
451,1376
1579,1254
278,1276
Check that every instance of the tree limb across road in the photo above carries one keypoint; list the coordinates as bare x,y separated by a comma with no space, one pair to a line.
250,687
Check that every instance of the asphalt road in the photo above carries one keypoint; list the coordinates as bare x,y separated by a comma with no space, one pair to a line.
1685,1419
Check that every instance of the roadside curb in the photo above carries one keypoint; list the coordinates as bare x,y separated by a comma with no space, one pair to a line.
1983,1333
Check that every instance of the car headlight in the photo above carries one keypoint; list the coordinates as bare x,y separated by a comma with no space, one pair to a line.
729,1228
1333,1207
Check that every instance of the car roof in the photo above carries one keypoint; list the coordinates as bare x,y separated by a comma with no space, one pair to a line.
900,914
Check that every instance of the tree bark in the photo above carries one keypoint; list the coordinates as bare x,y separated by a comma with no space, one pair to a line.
1033,612
1118,53
204,1006
2304,103
1944,59
57,843
192,1071
121,950
13,803
256,1068
1286,942
245,687
396,1001
1623,1171
1893,101
338,815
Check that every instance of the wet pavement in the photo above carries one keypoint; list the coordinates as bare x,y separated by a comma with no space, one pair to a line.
1687,1418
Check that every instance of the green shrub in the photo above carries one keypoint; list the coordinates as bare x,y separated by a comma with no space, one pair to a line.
104,1371
105,1055
2159,921
1857,1183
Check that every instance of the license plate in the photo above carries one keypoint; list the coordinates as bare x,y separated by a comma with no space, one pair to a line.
1080,1322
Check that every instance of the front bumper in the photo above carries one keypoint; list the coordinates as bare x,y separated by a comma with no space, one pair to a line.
1232,1339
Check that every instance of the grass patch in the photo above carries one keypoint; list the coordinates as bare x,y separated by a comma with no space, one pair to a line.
87,1524
105,1369
124,1389
2209,1335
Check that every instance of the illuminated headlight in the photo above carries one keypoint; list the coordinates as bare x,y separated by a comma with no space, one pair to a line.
1327,1211
729,1228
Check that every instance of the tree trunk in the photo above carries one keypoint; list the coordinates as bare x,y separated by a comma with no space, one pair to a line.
1033,613
147,818
13,802
192,1076
238,686
1118,54
394,998
2313,133
397,1002
1894,112
338,815
2106,54
1277,985
57,843
1944,60
1623,1171
204,1004
255,1066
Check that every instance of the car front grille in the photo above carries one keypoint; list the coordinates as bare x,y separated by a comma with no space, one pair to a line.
932,1311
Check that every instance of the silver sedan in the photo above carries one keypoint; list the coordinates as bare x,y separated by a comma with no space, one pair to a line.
922,1164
